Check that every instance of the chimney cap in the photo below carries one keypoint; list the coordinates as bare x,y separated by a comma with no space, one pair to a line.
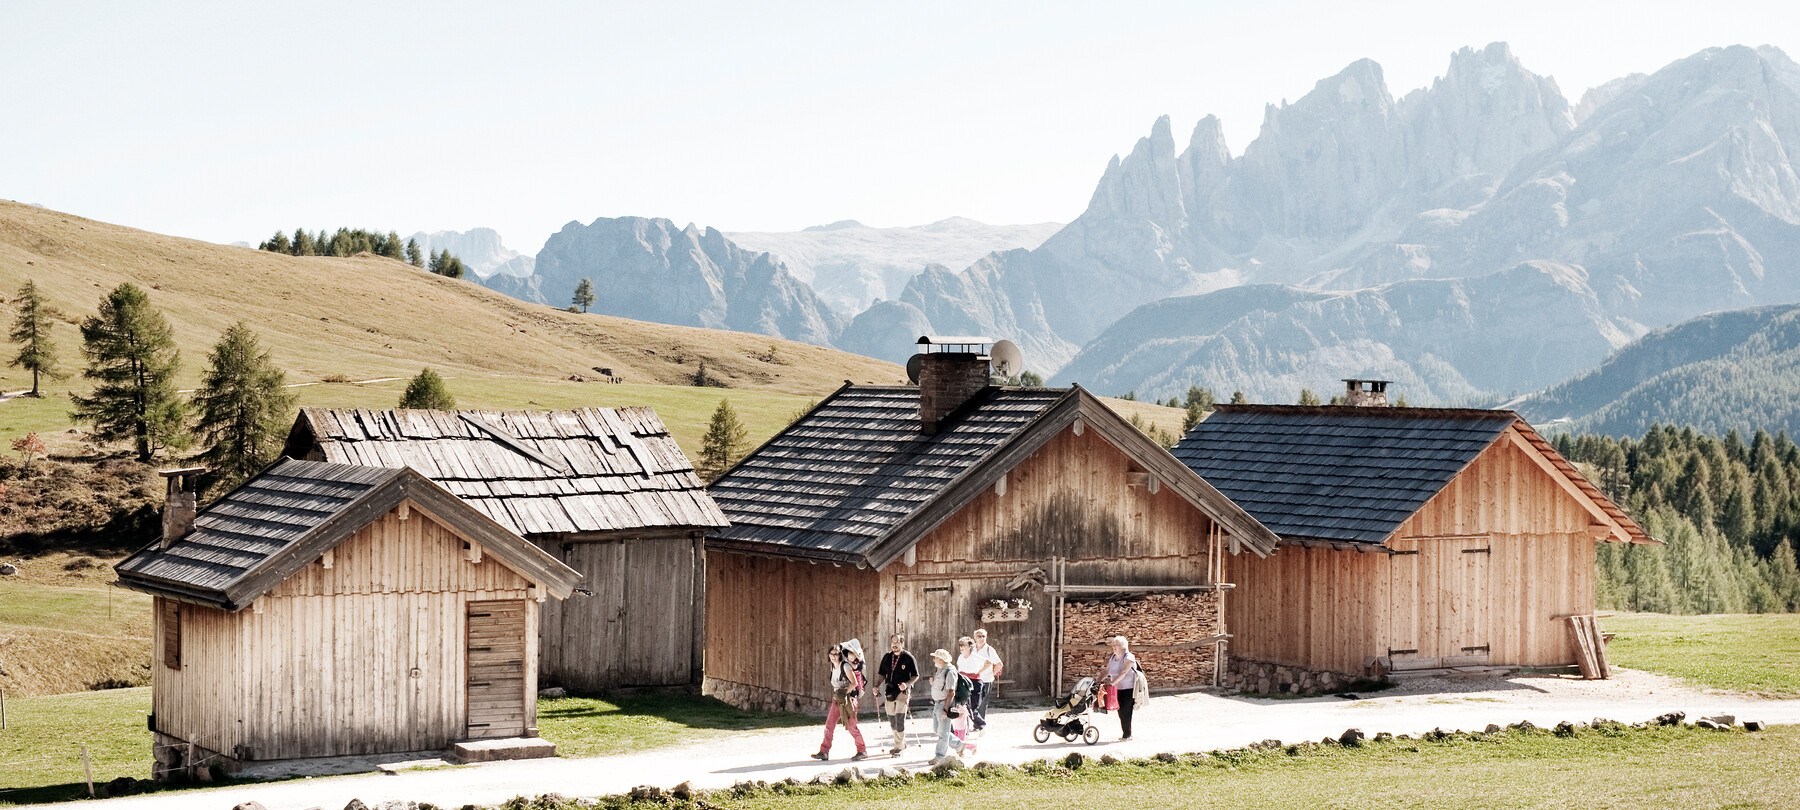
956,344
181,471
1378,385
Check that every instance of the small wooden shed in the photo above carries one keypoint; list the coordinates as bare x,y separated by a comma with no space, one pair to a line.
894,508
327,610
1411,539
607,491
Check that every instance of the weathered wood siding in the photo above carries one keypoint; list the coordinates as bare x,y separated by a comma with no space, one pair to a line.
324,664
638,627
770,622
1073,499
1326,609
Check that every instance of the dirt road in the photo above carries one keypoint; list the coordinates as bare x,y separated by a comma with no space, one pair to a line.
1180,723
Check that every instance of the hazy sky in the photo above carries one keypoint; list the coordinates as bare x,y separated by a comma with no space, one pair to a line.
229,120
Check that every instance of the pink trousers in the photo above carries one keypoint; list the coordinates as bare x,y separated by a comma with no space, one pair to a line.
832,716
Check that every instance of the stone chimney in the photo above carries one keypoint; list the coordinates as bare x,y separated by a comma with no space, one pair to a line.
949,377
182,503
1365,393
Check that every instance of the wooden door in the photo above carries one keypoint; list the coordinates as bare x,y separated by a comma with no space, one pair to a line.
1465,590
926,611
1404,604
584,635
495,664
659,626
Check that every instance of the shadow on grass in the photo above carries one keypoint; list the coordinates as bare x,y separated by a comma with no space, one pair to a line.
687,711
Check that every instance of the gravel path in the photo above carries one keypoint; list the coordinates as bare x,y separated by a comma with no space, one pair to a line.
1176,723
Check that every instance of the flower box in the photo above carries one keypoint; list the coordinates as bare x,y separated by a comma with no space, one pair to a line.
991,615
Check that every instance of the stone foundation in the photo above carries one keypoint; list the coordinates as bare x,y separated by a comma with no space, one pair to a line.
173,759
1157,626
1264,678
758,698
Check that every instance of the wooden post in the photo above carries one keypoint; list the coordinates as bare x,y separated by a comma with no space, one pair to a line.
2,709
697,675
87,768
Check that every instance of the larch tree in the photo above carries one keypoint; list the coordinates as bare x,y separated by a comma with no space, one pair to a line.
31,330
427,392
414,256
723,442
132,359
584,294
243,409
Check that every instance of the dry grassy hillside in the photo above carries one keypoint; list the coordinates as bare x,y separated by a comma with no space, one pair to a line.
368,317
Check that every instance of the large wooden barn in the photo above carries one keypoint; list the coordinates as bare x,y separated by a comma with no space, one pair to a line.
606,491
894,508
327,610
1411,538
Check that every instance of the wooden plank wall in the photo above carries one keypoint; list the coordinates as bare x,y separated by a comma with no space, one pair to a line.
1071,499
322,665
1326,609
637,629
770,621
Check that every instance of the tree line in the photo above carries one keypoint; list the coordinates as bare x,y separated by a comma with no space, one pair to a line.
239,415
1727,509
351,241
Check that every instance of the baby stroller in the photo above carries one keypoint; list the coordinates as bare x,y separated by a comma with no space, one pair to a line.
1068,718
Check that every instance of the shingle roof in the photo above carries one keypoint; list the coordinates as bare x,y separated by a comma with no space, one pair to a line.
855,480
1336,473
254,536
850,471
534,472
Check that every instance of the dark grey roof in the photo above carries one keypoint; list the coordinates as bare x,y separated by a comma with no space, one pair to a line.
1332,472
534,472
253,537
855,480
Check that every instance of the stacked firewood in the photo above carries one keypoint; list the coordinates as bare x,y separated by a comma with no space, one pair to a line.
1161,629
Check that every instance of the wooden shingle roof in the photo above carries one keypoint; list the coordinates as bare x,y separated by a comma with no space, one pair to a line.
534,472
249,540
856,481
1343,474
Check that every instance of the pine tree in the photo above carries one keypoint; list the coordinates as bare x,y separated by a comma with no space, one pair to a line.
276,244
1307,397
723,442
391,247
453,267
414,256
304,244
132,358
1031,379
584,294
31,330
1784,577
435,264
428,392
242,407
1238,398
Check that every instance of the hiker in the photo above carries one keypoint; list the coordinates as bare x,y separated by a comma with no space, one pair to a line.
943,703
897,672
1121,679
980,662
846,687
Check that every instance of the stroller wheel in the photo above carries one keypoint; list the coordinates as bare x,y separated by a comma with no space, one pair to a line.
1040,734
1090,735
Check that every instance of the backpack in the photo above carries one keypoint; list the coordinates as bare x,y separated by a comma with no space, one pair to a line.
964,687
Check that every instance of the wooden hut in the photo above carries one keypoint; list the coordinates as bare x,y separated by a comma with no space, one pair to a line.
894,508
1411,539
606,491
327,610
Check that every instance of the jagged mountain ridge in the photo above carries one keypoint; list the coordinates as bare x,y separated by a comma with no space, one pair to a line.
1738,369
852,265
480,249
651,269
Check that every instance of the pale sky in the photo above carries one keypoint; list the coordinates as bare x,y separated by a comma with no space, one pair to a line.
229,120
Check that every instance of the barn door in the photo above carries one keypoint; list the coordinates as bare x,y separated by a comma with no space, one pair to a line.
659,634
1465,567
496,669
926,612
584,635
1404,605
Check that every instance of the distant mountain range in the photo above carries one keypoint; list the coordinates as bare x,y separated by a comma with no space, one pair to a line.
1738,369
480,249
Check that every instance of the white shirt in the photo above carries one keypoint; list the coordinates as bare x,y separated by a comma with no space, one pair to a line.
975,660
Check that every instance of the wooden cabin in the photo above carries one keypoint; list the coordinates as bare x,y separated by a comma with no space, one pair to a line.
607,491
327,610
1411,539
895,508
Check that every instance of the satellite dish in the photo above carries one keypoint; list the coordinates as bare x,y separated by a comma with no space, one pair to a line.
913,364
1006,359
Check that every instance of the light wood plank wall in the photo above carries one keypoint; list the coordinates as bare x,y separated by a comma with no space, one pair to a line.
321,666
1327,609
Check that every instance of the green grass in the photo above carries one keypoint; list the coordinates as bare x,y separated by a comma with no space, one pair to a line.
1660,767
40,750
595,726
1757,654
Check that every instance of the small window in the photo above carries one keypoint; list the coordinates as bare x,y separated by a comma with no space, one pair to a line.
171,634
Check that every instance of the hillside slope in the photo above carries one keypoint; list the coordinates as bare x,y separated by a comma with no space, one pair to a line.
1738,369
367,317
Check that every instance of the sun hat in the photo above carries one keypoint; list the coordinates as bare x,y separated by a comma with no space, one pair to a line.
941,655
